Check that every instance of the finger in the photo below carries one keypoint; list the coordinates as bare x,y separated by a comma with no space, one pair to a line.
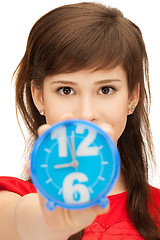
108,129
67,116
42,129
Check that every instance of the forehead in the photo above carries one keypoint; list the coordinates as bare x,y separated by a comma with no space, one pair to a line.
118,73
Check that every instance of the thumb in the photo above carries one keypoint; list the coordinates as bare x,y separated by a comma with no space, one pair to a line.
42,128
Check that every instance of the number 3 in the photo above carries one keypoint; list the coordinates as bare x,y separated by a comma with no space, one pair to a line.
75,193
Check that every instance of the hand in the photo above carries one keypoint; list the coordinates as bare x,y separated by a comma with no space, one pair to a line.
109,130
64,221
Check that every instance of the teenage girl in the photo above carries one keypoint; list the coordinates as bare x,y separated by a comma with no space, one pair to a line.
86,61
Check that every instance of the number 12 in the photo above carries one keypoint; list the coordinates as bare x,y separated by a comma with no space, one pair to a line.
83,149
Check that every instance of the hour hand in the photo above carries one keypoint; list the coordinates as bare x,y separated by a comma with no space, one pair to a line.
66,165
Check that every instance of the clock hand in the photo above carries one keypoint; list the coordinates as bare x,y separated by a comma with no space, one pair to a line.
73,152
74,163
65,165
73,146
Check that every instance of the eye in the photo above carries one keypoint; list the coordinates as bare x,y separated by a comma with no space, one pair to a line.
106,90
66,91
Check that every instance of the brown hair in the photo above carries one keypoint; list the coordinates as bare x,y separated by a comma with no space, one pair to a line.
93,36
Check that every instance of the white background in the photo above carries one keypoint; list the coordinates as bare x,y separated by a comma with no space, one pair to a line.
16,20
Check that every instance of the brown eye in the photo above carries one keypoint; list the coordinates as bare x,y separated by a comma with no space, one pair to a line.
66,91
106,90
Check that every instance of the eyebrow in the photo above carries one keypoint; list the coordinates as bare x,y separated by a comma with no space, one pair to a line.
64,82
105,81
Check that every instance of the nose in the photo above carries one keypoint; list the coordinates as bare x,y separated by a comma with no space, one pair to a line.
87,110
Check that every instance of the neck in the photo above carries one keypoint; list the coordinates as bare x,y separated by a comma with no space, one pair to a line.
119,187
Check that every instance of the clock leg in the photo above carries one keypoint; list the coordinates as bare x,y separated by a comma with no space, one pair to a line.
103,202
50,205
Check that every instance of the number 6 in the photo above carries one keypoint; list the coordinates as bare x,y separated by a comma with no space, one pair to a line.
75,193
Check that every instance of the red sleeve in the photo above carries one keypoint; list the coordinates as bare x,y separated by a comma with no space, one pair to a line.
154,206
155,193
16,185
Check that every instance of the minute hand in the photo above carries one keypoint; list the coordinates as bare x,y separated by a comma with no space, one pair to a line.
73,151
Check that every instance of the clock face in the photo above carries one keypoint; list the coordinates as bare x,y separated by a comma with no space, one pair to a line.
74,164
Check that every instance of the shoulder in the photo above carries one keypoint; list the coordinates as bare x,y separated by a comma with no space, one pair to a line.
155,194
16,185
154,203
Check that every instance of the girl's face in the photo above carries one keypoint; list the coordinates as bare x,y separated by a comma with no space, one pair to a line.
101,97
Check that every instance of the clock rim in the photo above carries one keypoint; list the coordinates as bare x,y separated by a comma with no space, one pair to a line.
100,196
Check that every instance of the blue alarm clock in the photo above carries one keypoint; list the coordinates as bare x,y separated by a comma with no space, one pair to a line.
74,164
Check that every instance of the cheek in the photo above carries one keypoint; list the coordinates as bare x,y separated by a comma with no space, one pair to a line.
53,113
119,122
55,110
52,116
120,125
117,117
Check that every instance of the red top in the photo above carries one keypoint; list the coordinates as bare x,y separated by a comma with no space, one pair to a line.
115,225
16,185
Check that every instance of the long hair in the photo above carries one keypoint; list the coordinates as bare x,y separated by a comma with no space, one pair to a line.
92,36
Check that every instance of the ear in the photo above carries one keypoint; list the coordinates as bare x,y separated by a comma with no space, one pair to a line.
37,96
133,99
